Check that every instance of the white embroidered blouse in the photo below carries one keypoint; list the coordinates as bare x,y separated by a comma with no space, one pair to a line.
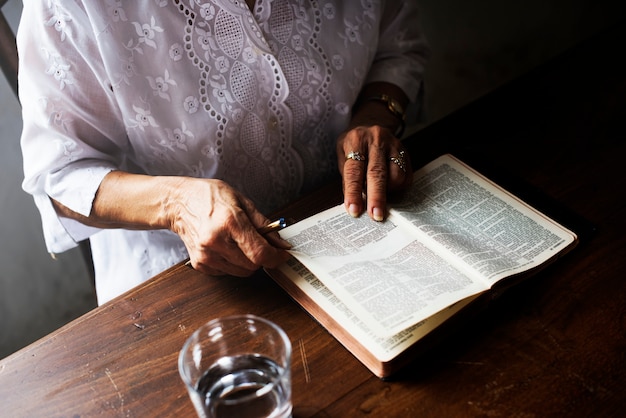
194,88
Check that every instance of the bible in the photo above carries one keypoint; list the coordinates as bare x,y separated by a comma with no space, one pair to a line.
381,287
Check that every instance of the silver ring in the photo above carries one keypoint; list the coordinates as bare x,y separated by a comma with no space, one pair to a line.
356,156
399,161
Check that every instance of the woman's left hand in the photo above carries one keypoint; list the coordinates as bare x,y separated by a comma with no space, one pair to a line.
372,161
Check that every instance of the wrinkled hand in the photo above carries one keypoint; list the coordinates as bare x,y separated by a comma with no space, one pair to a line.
376,173
219,228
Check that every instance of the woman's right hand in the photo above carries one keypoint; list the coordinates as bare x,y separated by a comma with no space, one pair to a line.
217,224
219,228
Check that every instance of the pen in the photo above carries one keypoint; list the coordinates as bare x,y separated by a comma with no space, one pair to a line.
276,225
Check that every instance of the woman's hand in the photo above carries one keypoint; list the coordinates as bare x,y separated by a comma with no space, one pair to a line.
219,228
372,161
217,224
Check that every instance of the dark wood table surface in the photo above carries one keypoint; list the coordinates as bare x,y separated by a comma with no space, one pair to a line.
553,346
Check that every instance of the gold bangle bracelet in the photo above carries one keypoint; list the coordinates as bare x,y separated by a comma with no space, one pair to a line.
394,107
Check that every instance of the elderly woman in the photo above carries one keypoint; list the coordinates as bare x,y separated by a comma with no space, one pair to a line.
166,129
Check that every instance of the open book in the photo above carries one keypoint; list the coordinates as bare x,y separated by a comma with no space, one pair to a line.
380,287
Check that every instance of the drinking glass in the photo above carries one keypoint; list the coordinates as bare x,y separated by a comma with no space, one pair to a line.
238,366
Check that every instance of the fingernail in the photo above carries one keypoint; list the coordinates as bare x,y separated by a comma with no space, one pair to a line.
377,213
353,210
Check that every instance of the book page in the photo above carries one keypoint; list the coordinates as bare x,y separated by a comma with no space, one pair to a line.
386,276
489,230
383,348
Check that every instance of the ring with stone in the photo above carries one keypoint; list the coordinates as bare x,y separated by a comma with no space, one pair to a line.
356,156
399,161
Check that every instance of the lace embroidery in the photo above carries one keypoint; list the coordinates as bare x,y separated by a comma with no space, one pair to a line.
115,10
145,35
143,119
161,85
59,21
177,137
68,149
60,69
256,108
241,88
57,118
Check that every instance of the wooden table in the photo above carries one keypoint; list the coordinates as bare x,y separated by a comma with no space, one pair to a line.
553,346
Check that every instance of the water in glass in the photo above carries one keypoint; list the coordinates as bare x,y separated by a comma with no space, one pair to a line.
246,386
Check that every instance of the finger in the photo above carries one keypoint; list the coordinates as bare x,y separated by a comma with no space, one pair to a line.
214,264
259,220
222,253
354,172
219,252
400,170
254,247
277,241
235,262
377,181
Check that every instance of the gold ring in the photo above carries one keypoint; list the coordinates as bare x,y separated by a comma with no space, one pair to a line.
399,161
356,156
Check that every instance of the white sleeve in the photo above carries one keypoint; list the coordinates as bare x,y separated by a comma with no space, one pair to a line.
73,134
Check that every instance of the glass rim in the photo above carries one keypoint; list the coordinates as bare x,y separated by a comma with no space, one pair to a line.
246,318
